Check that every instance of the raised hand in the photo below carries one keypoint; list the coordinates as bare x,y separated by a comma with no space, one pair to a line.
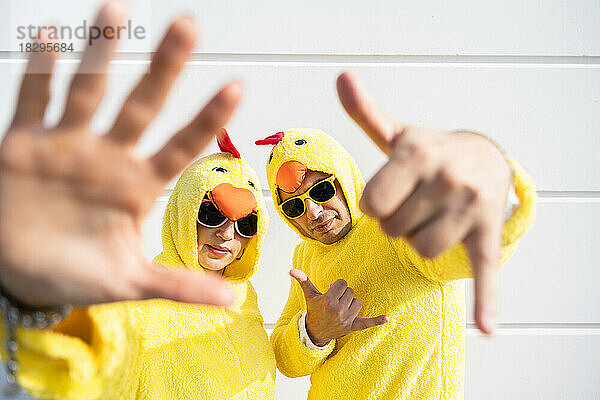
437,189
72,202
333,314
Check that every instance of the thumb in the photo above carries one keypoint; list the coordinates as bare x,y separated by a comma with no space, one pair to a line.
183,285
364,323
362,109
483,246
307,286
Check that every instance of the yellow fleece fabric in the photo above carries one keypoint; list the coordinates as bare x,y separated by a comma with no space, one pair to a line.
419,353
160,349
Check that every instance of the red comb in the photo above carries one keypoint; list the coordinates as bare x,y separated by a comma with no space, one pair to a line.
273,139
225,144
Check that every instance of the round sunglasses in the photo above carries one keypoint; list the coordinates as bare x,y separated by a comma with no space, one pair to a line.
320,192
210,217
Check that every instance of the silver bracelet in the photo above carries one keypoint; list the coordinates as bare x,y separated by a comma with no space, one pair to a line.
16,314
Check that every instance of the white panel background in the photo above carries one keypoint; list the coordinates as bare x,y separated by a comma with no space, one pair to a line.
525,72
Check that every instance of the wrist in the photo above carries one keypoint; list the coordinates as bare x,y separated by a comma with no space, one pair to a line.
17,314
512,202
495,145
506,177
314,338
22,291
318,342
305,338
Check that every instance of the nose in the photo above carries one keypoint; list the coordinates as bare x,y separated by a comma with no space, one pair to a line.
226,231
313,210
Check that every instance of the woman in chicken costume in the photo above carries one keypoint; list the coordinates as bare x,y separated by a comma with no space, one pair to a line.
216,220
407,340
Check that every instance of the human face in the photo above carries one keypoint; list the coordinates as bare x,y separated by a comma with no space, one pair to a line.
219,247
326,222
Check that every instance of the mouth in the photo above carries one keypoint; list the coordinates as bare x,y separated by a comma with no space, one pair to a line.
218,251
324,227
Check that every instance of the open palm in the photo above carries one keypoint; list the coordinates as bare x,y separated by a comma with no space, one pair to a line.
72,201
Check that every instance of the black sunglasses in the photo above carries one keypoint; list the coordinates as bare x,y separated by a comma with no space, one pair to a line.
210,217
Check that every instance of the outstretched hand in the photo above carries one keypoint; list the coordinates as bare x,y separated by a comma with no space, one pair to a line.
333,314
72,202
436,190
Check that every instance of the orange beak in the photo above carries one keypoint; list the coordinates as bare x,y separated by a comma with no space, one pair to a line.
290,176
234,203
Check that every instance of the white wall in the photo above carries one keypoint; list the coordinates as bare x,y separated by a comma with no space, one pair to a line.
526,73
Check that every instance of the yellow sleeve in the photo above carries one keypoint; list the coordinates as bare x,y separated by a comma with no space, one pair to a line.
292,356
90,355
454,263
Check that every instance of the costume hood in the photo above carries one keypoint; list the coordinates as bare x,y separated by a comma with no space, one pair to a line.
228,177
300,149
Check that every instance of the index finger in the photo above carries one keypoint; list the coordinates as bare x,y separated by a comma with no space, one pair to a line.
87,86
357,102
184,285
337,289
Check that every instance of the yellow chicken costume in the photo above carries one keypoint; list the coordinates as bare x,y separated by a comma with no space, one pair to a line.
160,349
419,353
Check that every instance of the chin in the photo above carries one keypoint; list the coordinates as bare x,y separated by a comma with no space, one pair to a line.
331,236
213,267
327,239
336,233
212,264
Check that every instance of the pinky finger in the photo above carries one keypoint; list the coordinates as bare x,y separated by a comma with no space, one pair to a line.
364,323
483,247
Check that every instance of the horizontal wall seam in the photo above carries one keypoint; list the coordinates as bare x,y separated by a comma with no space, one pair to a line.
543,325
344,58
543,195
521,325
568,193
524,329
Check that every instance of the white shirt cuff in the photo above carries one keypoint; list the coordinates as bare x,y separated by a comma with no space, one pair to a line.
304,338
512,202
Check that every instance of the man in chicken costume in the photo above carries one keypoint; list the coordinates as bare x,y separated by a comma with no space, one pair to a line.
160,349
368,315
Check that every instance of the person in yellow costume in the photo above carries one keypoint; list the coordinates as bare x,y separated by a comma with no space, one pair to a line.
216,221
369,317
